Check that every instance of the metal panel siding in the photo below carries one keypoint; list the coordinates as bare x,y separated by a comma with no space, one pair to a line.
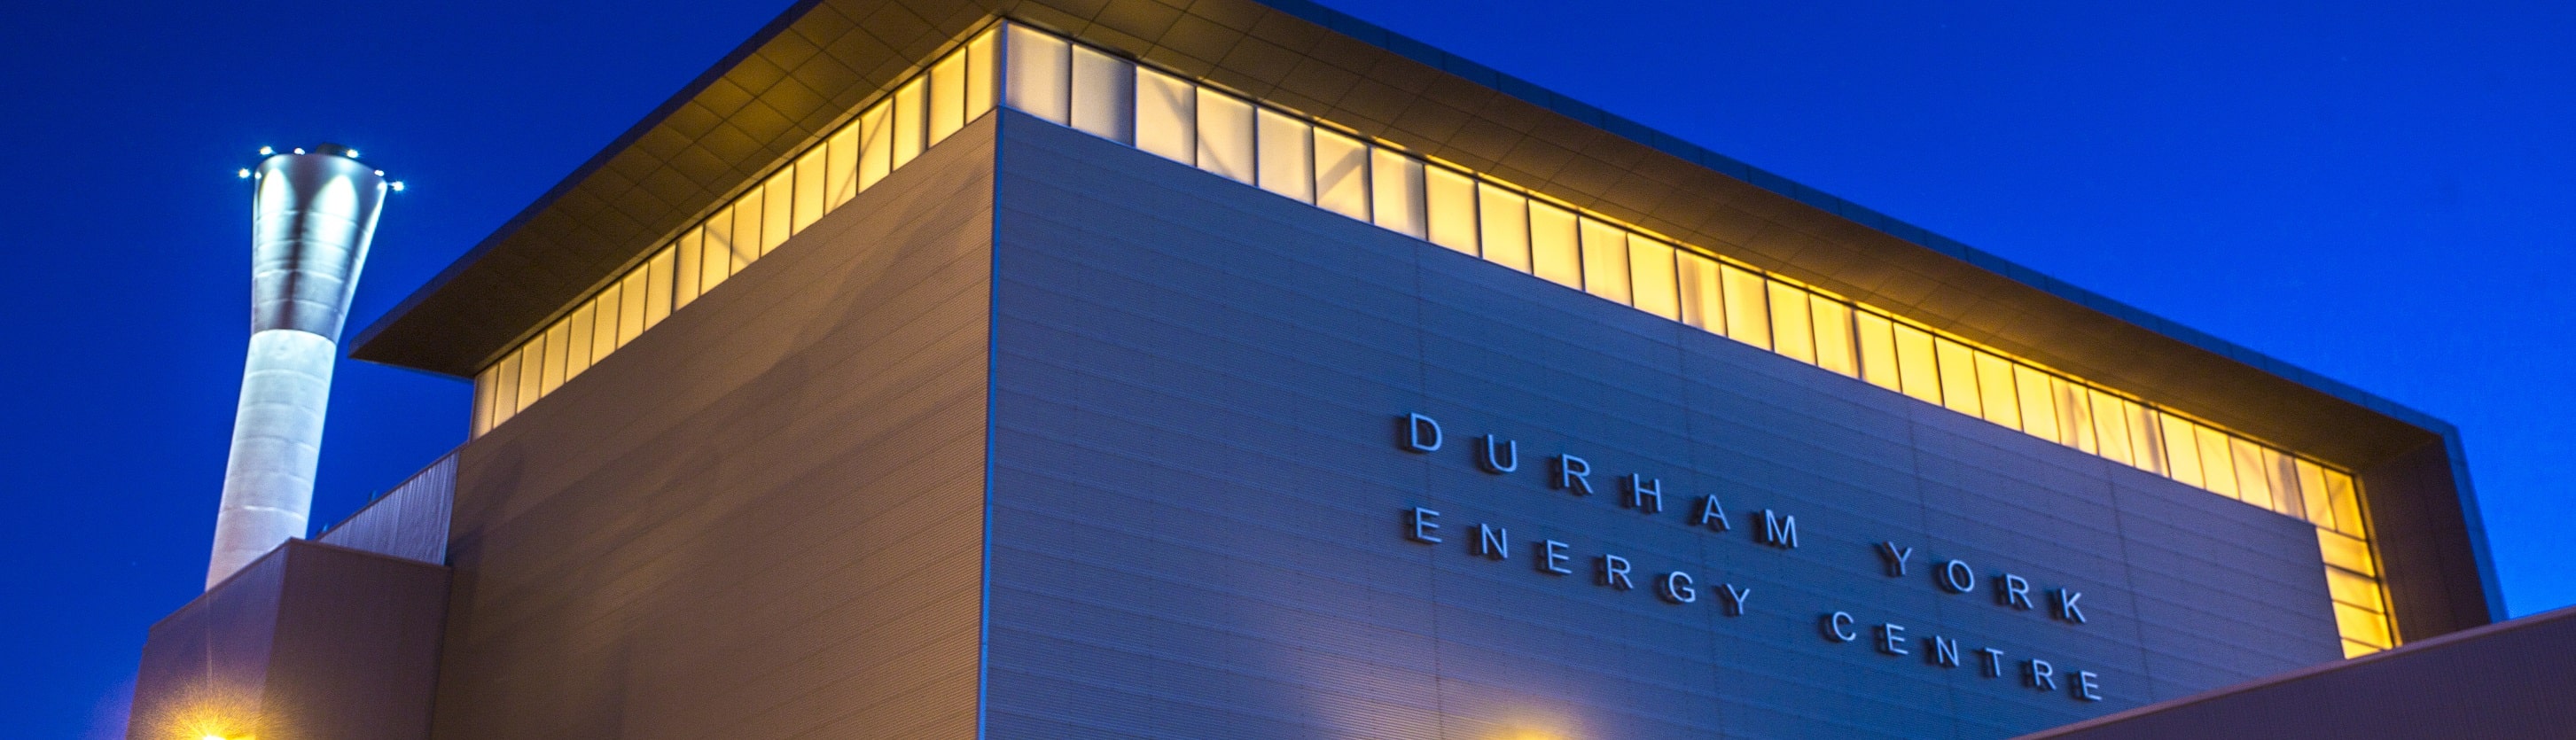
1195,502
358,634
2427,546
217,647
760,519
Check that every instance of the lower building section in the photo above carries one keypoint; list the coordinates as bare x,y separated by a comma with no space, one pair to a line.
2508,680
308,641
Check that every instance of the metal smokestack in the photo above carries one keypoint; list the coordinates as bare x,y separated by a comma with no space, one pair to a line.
312,215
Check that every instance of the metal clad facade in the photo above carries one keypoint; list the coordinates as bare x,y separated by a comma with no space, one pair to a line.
759,520
1197,503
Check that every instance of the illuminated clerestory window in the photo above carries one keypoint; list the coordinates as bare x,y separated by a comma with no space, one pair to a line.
1378,182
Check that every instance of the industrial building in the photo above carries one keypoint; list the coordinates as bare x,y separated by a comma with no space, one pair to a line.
1236,369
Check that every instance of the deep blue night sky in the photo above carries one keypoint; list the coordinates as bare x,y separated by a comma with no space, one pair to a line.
2380,194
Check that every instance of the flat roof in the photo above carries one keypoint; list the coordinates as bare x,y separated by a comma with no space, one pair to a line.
814,66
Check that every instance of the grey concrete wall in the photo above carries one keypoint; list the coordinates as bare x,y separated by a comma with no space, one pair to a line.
760,519
1197,499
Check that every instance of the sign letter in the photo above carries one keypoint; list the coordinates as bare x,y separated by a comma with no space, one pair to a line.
1891,639
1838,627
1423,526
1614,572
1493,542
1895,557
1551,558
2040,674
1779,530
1676,587
1713,515
1945,651
1644,494
2066,607
2014,592
1958,578
1421,434
1498,455
1572,474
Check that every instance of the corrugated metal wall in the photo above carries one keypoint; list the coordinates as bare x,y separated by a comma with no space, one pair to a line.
408,522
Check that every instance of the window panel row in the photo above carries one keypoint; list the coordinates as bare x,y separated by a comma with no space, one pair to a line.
919,113
1253,144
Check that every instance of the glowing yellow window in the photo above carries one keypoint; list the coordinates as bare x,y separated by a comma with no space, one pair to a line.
2110,427
1996,391
1225,136
1605,261
1040,75
2038,410
1702,294
659,288
578,328
777,209
1833,325
1341,174
482,402
1286,147
1958,366
1916,370
1167,116
1876,338
1503,217
747,226
1650,263
1396,194
2182,450
1451,199
1792,332
841,167
910,102
2074,414
811,190
947,97
1748,311
1554,253
876,145
2217,462
630,302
